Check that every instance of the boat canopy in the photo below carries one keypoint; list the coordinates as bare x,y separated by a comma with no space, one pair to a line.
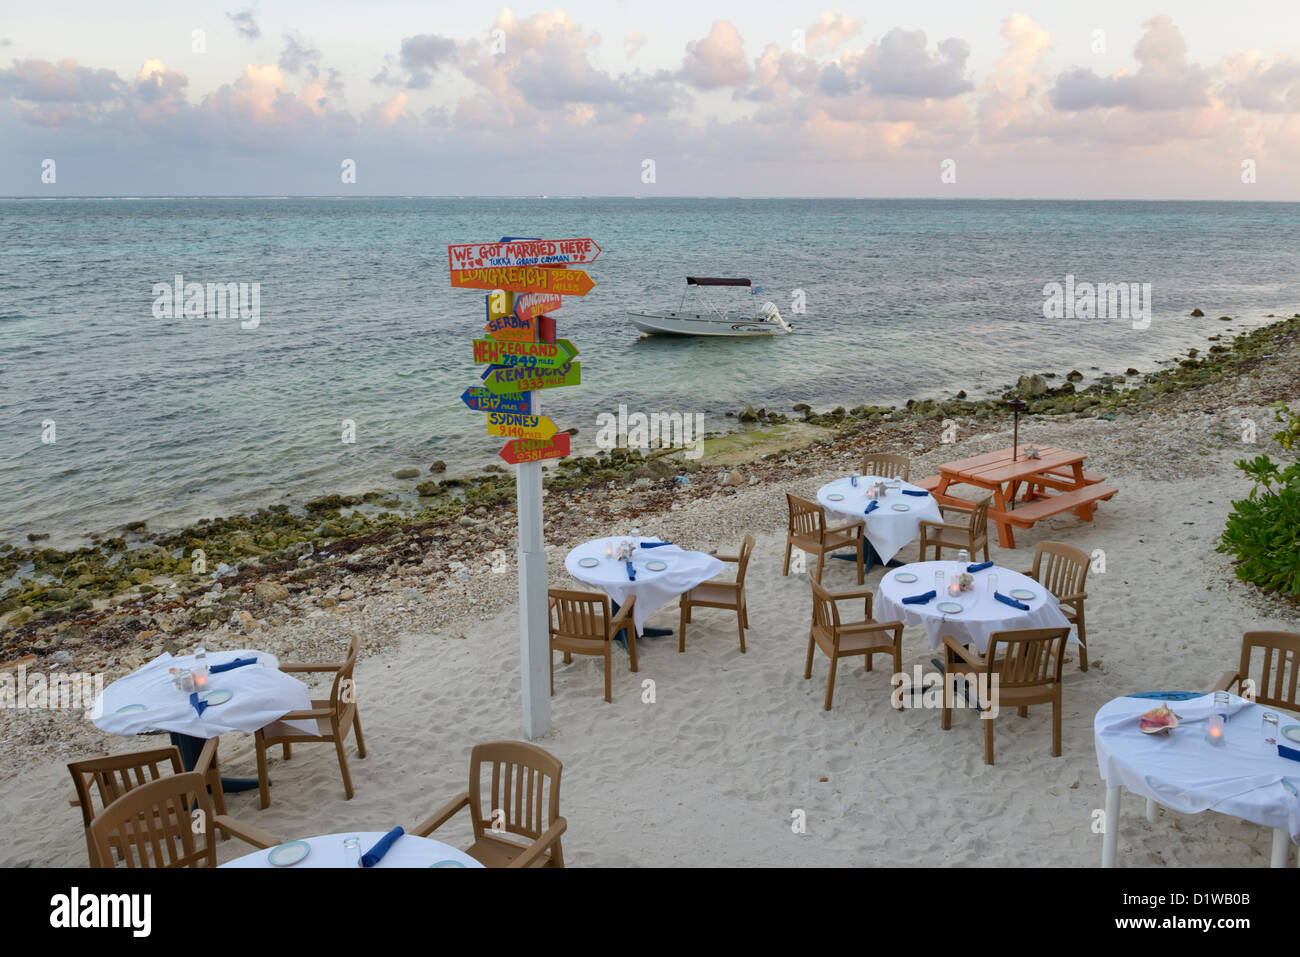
699,281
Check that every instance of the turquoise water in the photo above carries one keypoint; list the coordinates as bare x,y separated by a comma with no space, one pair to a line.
172,419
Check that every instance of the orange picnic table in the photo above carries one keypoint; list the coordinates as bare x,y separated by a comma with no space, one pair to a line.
1008,476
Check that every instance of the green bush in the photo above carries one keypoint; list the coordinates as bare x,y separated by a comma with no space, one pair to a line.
1263,531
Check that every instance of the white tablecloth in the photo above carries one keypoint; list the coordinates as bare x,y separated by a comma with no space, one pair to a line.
327,851
981,613
259,695
888,530
653,590
1183,771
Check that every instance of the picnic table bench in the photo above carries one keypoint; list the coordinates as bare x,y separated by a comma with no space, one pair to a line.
1008,476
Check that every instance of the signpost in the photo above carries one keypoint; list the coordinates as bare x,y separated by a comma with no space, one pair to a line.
525,279
560,282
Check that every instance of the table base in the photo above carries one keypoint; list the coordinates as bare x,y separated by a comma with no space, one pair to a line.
643,633
191,747
869,558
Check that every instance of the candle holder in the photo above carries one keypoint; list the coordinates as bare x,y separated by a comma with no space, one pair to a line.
1214,730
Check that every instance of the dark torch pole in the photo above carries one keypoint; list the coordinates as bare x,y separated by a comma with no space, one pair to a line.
1016,406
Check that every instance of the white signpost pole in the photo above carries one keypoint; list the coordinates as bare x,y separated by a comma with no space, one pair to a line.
534,616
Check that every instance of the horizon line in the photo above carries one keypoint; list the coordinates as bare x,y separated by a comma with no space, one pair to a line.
634,196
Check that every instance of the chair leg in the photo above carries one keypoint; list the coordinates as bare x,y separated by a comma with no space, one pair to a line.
821,557
898,667
681,625
830,684
812,646
788,546
288,750
609,696
356,726
986,550
945,718
1083,641
740,625
988,741
1024,711
343,766
631,645
551,656
263,788
1056,726
862,549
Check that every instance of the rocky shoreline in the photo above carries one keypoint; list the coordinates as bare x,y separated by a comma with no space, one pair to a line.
119,601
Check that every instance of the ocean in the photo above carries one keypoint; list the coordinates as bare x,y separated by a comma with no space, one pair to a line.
117,409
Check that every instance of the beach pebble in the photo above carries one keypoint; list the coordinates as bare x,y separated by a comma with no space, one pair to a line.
270,591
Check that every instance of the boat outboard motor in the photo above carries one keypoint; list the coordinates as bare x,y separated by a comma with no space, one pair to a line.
772,314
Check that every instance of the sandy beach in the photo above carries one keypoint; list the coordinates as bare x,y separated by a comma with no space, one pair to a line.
713,770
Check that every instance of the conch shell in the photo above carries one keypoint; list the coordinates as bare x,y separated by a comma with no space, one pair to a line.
1159,721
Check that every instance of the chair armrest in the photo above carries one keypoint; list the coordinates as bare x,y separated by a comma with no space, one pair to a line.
207,757
1071,599
624,617
947,525
943,507
1029,573
852,526
542,844
318,667
245,832
306,715
854,593
441,816
1226,681
957,648
727,558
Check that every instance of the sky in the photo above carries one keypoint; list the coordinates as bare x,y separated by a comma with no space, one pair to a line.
949,99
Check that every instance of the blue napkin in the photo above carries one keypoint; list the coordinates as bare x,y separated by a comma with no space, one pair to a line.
871,507
853,480
376,853
980,567
920,599
1168,695
229,665
1284,752
1010,601
653,544
199,706
917,492
631,572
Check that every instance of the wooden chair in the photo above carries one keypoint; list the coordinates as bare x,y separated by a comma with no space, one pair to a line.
1062,570
1275,688
525,785
114,775
809,531
972,534
887,465
838,639
1027,664
726,595
580,624
154,825
334,718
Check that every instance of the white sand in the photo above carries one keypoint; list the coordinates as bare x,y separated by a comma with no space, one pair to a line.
712,771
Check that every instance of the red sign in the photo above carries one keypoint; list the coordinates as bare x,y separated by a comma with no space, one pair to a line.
560,282
530,305
523,252
518,451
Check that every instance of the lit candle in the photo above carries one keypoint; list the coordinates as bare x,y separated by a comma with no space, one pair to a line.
609,551
1214,730
200,678
954,588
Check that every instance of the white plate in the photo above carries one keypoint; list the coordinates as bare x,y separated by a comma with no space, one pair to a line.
1023,594
901,507
129,708
447,864
835,497
949,607
656,565
588,562
288,854
904,577
1292,731
216,696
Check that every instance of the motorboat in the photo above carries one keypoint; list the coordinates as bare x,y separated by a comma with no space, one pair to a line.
708,317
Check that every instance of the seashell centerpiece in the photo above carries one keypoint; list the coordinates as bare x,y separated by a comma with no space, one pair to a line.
1159,721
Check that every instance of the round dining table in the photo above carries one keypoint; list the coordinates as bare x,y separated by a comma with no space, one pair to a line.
327,851
1241,776
653,586
979,614
894,522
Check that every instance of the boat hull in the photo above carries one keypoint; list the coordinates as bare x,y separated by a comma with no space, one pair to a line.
696,324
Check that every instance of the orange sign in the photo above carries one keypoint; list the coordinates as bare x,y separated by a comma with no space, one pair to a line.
560,282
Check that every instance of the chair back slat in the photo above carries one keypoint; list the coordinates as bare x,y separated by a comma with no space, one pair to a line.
979,520
1280,666
1060,568
113,776
746,548
579,614
524,788
887,465
807,519
151,825
1026,657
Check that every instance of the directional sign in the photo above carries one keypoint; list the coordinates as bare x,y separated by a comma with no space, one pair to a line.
538,252
530,305
560,282
506,381
520,426
518,451
481,400
524,355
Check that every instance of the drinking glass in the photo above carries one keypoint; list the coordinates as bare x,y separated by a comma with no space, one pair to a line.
636,537
993,584
1221,704
963,556
1268,729
351,852
938,585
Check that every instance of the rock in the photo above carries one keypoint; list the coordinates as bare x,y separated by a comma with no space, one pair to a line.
437,467
1031,386
1221,319
1074,376
135,526
347,594
1197,314
141,576
406,474
37,536
1131,371
21,616
749,415
328,601
270,591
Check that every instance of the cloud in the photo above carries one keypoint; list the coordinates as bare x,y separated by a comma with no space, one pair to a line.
245,25
297,56
1164,79
1267,88
40,81
899,66
718,60
830,31
633,42
5,41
